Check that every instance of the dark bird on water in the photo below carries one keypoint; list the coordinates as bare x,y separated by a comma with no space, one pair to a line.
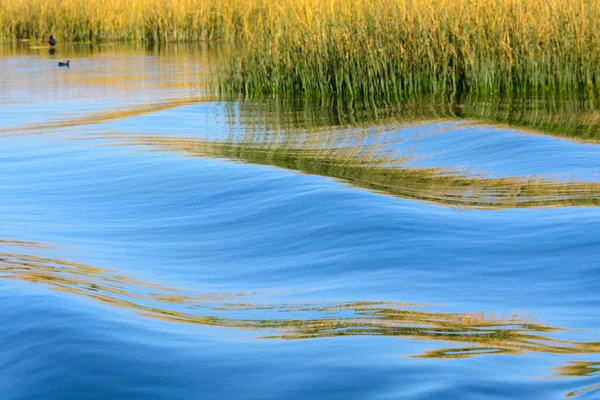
64,64
51,41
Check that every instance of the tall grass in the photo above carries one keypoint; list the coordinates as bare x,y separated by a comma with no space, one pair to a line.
351,48
153,20
399,48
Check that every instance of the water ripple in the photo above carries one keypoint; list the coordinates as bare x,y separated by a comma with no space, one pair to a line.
471,334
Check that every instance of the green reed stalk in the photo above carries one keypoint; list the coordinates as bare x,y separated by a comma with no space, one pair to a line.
400,48
352,48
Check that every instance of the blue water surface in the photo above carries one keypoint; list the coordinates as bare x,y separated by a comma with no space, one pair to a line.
136,271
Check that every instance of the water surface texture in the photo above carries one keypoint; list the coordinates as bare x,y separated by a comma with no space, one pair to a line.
160,242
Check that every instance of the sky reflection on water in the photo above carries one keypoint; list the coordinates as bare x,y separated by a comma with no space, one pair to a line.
158,241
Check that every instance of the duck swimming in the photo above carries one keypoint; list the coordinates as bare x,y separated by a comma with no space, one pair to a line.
51,41
64,64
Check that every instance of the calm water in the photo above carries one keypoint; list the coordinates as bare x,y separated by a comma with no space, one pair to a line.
157,242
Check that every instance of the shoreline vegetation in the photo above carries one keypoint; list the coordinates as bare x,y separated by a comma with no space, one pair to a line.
370,49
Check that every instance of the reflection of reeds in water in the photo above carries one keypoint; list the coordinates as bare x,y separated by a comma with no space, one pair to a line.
282,139
467,335
111,74
331,139
570,117
579,368
583,369
21,243
583,391
98,118
369,167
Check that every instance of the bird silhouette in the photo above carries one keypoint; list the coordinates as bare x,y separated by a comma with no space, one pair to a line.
51,41
64,64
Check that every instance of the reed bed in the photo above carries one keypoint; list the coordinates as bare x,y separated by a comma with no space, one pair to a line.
108,20
400,48
351,48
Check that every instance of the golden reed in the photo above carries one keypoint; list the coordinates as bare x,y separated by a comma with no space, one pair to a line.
353,48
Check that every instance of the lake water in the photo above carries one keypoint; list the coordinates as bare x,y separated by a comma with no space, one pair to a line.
160,242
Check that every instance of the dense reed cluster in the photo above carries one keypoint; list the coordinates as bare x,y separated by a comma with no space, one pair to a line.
351,48
398,48
92,20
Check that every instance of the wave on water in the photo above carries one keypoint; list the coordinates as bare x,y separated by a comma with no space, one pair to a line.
112,164
470,334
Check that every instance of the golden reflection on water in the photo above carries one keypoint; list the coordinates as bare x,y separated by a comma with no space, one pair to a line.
371,166
585,390
333,139
466,334
151,73
115,74
576,117
165,76
101,117
348,143
579,368
23,243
